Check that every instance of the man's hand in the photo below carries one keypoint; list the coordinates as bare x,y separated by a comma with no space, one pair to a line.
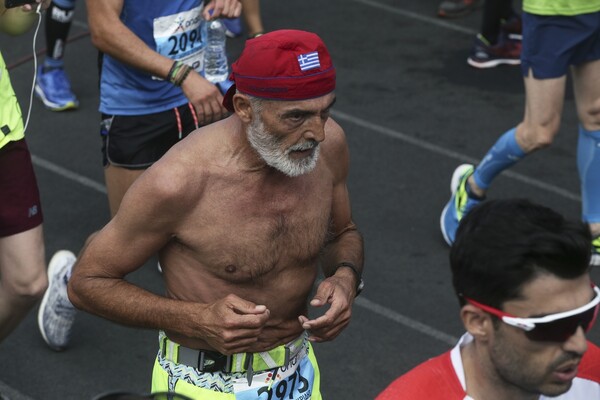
222,9
233,325
205,97
337,291
32,7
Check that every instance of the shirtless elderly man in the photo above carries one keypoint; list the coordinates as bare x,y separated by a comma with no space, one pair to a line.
243,212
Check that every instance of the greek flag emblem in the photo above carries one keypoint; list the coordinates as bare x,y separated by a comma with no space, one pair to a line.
309,61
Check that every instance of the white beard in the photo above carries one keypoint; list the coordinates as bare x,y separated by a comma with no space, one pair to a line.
268,148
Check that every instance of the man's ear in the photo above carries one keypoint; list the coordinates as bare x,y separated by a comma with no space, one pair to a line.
242,107
477,322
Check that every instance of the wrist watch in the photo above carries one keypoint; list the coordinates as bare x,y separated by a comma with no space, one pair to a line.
360,284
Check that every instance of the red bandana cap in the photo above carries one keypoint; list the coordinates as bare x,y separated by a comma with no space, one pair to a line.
282,65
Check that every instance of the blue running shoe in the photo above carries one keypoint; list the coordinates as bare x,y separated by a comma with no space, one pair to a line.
54,89
460,202
233,27
595,261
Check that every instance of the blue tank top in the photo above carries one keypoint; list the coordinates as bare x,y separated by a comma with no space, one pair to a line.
171,28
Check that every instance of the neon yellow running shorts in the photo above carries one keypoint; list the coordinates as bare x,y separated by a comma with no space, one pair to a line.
298,380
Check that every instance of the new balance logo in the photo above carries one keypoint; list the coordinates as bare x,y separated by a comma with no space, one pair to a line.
33,211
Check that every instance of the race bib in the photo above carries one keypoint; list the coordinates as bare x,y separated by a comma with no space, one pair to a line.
293,382
179,37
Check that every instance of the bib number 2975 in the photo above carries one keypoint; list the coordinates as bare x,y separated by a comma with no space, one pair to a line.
293,387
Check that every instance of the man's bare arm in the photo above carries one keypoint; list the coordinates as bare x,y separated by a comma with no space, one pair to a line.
346,245
339,288
112,37
146,220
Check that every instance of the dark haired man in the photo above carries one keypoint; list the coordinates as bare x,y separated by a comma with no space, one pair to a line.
241,212
520,272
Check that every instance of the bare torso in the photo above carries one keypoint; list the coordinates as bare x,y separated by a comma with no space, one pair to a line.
256,234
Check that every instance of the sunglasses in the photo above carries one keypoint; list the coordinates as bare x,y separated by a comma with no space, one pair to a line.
554,327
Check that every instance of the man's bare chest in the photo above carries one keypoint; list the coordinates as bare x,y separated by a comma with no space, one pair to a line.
262,230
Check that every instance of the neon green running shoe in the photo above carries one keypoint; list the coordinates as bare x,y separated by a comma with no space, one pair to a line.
459,204
595,261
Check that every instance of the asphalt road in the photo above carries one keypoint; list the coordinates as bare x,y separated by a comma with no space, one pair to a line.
412,110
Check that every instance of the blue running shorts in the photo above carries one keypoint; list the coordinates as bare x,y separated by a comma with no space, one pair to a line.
552,43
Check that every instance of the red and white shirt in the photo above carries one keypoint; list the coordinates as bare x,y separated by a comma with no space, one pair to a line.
443,378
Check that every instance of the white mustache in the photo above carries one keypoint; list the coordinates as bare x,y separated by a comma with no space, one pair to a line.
303,146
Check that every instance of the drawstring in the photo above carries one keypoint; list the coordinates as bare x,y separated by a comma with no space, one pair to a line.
193,111
178,118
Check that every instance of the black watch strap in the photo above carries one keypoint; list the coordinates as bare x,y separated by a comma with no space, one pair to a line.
360,284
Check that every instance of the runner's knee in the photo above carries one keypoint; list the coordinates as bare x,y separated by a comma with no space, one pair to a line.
537,136
26,290
590,116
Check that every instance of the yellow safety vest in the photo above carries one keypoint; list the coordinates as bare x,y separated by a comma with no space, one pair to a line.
11,119
561,7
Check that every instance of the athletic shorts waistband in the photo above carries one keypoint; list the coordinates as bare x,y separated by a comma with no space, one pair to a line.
212,361
138,141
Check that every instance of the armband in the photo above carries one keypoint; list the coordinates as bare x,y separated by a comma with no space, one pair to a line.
173,71
178,72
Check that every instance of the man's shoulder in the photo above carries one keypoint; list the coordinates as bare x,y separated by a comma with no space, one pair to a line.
433,379
180,172
335,148
334,131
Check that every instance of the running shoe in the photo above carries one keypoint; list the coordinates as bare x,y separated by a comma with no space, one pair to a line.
513,27
54,89
595,261
484,55
56,314
457,8
459,204
233,27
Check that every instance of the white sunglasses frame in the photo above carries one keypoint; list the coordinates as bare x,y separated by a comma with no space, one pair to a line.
528,324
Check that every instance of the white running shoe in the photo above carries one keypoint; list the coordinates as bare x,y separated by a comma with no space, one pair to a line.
56,314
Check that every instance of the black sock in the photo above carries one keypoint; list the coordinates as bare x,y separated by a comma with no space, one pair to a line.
494,12
58,24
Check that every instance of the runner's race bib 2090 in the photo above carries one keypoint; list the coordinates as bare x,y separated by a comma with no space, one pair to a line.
179,37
